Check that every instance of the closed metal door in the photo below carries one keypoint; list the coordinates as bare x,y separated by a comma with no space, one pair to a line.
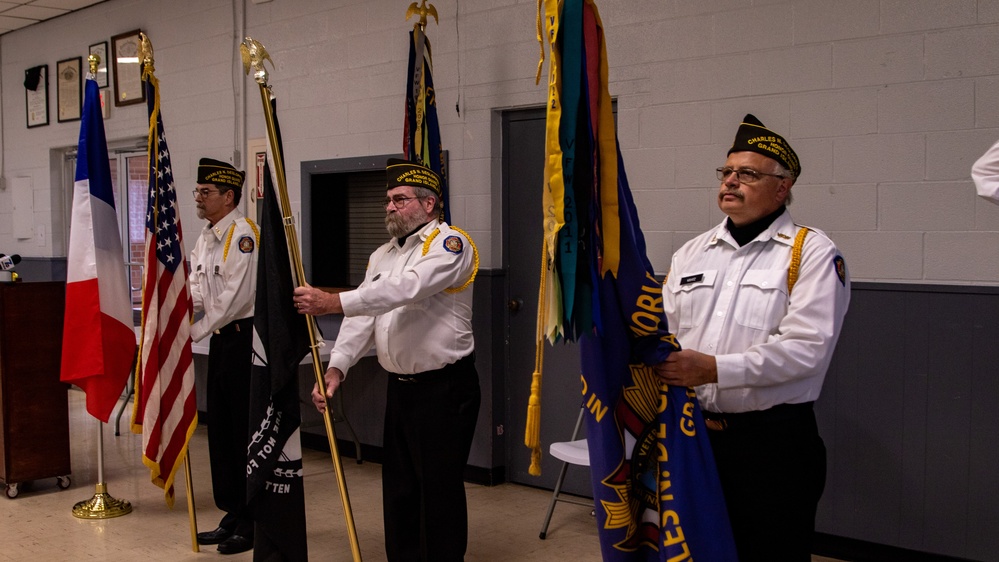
561,394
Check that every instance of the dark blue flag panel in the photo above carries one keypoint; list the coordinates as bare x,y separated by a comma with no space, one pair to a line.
655,486
656,489
421,140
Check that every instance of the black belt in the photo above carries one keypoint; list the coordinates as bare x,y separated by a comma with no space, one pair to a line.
716,421
243,324
457,366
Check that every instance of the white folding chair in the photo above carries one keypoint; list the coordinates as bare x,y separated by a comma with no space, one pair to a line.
569,452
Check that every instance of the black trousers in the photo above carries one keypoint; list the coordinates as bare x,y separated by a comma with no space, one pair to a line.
229,360
429,425
772,467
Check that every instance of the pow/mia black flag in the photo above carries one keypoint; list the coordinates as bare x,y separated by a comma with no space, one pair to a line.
275,489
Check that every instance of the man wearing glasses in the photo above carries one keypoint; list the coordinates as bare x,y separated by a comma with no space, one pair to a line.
223,282
415,307
757,304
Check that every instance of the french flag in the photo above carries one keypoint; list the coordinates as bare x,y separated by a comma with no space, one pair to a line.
98,344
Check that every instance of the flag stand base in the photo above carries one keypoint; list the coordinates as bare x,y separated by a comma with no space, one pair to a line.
101,506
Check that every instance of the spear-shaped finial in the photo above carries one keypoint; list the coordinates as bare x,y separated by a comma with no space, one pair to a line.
94,61
254,54
424,10
146,53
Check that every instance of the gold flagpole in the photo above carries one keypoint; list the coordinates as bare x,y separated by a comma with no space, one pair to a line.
148,72
191,511
254,54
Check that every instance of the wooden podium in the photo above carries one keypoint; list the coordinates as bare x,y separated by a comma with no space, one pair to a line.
34,409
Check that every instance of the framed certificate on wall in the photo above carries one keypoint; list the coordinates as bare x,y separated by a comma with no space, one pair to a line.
69,89
101,50
127,69
36,95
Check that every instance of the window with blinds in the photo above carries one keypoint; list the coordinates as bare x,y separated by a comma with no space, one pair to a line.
348,223
366,221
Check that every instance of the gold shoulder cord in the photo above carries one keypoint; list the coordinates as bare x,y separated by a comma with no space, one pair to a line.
255,229
792,271
475,255
232,229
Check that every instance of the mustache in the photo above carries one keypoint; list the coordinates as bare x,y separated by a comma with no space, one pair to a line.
733,192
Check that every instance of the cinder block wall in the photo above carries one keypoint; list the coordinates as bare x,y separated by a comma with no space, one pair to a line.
887,101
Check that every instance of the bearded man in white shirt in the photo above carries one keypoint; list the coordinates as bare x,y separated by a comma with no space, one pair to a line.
415,307
757,304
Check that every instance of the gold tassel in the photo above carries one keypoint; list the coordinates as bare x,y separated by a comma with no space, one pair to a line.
532,432
532,435
535,468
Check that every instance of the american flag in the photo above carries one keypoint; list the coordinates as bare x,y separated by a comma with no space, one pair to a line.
165,408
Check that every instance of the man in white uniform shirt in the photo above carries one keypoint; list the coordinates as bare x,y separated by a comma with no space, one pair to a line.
223,285
757,304
415,307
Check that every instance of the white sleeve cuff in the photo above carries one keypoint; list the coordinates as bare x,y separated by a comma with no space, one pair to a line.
731,370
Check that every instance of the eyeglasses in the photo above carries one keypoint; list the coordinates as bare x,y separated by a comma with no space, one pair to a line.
399,201
204,192
745,175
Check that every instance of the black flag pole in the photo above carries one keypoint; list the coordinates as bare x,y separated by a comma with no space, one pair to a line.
254,54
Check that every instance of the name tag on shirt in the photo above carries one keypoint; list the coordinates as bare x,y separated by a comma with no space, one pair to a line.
691,279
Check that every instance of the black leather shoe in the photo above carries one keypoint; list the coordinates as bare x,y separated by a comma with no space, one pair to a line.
236,544
214,537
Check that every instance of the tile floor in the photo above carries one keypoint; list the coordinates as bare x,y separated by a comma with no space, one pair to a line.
38,524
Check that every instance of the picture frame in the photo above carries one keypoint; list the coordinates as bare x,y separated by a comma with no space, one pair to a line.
101,50
69,89
127,69
36,102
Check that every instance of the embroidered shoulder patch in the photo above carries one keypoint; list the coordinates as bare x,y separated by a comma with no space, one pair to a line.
454,244
246,244
840,264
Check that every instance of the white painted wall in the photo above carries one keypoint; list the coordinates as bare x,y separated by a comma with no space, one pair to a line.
888,103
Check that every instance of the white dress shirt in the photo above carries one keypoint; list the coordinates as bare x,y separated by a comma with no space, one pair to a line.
733,303
985,173
223,282
402,307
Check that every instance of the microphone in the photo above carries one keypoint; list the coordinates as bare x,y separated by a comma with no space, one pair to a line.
8,262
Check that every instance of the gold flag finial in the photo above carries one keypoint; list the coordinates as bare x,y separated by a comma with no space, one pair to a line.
424,10
94,62
254,54
146,53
